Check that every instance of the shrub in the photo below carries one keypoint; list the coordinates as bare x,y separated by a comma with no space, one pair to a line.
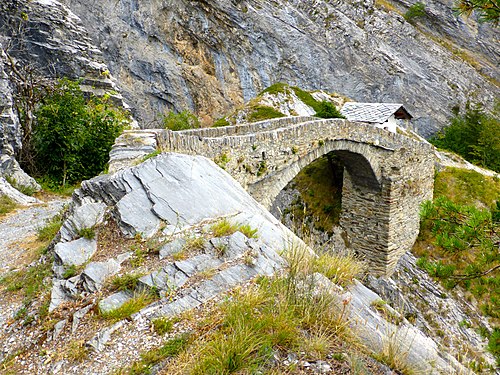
262,112
73,136
474,136
180,121
327,110
415,11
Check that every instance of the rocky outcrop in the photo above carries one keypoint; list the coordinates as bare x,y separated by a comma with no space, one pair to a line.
210,56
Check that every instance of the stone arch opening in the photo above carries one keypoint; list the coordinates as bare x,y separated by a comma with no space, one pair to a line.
303,202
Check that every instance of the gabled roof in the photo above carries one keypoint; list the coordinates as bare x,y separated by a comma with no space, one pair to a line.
374,112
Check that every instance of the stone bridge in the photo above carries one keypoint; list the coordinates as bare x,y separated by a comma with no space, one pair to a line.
386,178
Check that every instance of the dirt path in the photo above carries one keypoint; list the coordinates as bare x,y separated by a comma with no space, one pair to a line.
19,228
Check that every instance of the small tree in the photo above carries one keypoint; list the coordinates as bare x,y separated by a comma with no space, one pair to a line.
327,110
73,136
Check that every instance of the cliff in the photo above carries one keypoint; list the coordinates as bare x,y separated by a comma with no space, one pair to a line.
210,56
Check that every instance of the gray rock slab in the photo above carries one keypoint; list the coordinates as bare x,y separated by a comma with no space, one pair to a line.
136,216
58,328
77,316
168,278
114,301
96,273
178,306
172,247
198,263
75,252
57,294
99,341
87,215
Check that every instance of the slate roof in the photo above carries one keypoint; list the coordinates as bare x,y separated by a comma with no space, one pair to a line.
373,112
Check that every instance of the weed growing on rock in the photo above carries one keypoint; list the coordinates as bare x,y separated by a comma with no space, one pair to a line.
164,325
88,233
133,305
223,228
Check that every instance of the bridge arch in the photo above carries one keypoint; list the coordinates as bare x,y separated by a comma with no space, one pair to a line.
363,169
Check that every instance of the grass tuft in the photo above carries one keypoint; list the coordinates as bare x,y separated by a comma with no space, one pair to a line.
138,301
6,205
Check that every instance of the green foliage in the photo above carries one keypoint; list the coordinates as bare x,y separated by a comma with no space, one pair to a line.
151,155
488,10
126,282
88,233
248,231
221,123
474,136
276,88
70,272
262,168
464,250
307,98
73,136
328,110
223,228
415,11
6,205
180,121
262,112
494,344
320,188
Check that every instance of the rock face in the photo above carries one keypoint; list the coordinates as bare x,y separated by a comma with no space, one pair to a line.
210,56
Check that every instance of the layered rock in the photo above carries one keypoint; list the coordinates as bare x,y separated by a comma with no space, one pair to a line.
210,56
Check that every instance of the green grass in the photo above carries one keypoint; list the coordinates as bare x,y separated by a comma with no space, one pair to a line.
164,325
6,205
222,122
287,313
151,155
467,187
127,282
307,98
224,228
88,233
262,112
277,88
50,229
138,301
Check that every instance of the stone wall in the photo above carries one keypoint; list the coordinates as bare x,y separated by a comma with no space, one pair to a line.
387,175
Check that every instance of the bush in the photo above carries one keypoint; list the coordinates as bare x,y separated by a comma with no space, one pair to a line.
180,121
474,136
73,136
416,10
327,110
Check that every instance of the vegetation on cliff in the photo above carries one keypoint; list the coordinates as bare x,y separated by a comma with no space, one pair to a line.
474,135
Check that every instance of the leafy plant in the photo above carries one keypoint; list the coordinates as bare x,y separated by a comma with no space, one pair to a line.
180,121
488,10
88,233
221,123
73,136
163,325
474,136
50,229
